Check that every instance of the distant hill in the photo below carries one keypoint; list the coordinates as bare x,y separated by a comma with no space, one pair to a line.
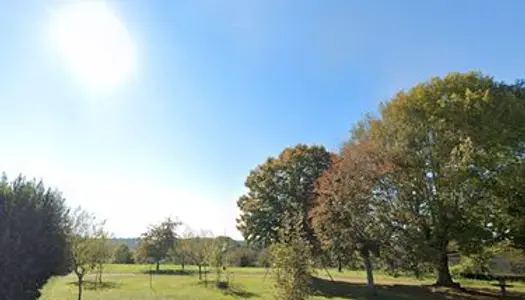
131,242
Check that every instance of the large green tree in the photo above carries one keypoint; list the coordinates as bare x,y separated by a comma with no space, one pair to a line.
280,194
450,138
33,238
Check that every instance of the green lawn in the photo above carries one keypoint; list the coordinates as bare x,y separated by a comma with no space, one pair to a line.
130,282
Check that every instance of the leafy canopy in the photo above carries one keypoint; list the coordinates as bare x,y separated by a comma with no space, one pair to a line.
349,212
450,139
157,242
280,194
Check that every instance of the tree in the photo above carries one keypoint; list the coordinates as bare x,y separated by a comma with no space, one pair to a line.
122,255
450,139
84,236
349,214
33,238
182,248
197,248
280,194
103,250
217,259
157,242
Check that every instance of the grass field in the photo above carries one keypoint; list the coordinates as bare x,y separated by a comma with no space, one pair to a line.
132,282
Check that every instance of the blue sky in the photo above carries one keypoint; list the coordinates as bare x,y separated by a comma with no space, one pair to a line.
216,87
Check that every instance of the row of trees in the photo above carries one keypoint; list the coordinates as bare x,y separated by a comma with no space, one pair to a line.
41,237
182,253
161,243
440,170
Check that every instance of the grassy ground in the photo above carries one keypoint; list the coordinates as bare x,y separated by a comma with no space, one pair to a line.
132,282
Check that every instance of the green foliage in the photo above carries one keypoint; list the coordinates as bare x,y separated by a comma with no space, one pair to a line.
509,186
122,255
157,242
33,240
292,269
103,251
280,194
450,138
89,245
242,257
500,258
217,259
264,259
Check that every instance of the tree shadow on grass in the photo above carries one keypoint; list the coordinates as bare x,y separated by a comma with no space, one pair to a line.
234,290
237,291
172,272
359,291
93,285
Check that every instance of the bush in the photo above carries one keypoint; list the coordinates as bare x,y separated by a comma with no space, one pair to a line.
465,266
242,257
123,255
292,269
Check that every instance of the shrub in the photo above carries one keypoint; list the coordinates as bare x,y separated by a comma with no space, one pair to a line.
292,269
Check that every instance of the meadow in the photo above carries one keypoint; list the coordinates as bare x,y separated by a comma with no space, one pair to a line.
135,283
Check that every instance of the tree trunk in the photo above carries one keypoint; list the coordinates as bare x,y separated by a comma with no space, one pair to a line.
158,266
200,272
444,277
339,264
365,254
182,263
80,287
205,277
100,270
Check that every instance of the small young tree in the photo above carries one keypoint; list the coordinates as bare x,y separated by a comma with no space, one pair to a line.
197,248
183,248
216,258
179,254
103,249
157,242
84,244
292,268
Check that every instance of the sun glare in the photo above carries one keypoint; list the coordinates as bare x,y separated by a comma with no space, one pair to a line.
95,44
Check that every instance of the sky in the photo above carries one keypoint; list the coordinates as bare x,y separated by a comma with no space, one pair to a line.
140,110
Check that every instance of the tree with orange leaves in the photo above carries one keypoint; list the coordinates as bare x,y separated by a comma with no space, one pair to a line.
347,215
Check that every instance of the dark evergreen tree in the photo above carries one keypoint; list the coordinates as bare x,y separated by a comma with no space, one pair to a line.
33,241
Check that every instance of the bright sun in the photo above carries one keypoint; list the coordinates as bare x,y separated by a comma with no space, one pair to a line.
94,42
